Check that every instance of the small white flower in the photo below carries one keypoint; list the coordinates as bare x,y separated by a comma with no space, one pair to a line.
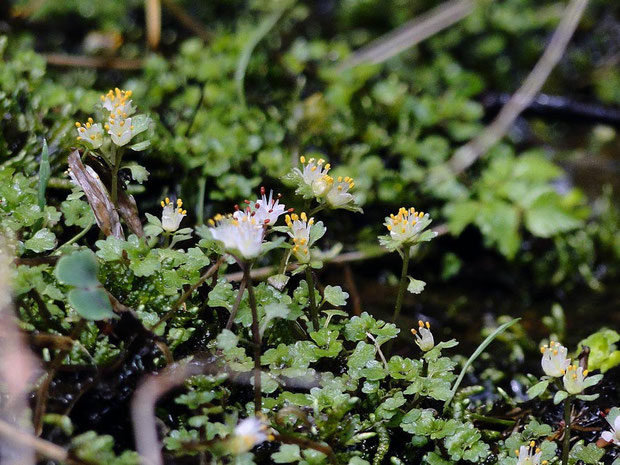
424,337
267,209
406,225
239,233
90,133
530,455
172,216
613,436
299,230
339,195
248,433
554,360
120,129
315,175
117,102
574,379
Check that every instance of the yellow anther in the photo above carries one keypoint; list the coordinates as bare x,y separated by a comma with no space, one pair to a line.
585,372
413,331
90,120
311,222
420,323
320,162
303,216
79,138
302,159
532,443
327,167
163,204
77,124
167,199
179,202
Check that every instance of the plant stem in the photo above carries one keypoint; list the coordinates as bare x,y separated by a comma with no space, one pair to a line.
256,338
566,440
233,311
118,155
402,285
314,312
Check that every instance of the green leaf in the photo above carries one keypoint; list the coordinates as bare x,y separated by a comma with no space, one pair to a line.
589,455
43,240
140,124
415,286
78,269
317,230
537,389
227,340
603,350
476,354
139,147
559,397
91,304
335,296
547,216
138,172
288,453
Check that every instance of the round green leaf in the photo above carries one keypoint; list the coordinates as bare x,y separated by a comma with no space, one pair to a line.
91,304
78,269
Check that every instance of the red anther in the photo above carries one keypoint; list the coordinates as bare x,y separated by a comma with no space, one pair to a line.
266,221
262,190
257,205
236,207
247,201
271,211
290,210
248,209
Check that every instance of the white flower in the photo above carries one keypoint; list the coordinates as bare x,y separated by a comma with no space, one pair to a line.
339,195
248,433
89,133
424,337
267,209
613,435
120,130
171,216
554,361
299,230
239,233
529,455
315,175
117,101
574,379
406,225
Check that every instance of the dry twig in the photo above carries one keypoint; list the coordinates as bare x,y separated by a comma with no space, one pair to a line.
474,149
411,33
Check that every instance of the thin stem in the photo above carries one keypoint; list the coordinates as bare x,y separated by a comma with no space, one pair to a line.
118,155
317,209
78,236
402,285
210,272
256,338
233,311
314,312
200,205
566,441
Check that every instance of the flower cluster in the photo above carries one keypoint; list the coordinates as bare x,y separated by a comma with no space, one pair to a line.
172,215
119,121
120,125
299,230
242,232
424,337
556,364
406,228
90,133
554,359
530,455
314,181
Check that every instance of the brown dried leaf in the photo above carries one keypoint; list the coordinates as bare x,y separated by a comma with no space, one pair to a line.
126,204
105,214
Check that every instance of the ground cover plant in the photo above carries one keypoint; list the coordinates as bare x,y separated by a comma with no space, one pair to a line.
230,233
